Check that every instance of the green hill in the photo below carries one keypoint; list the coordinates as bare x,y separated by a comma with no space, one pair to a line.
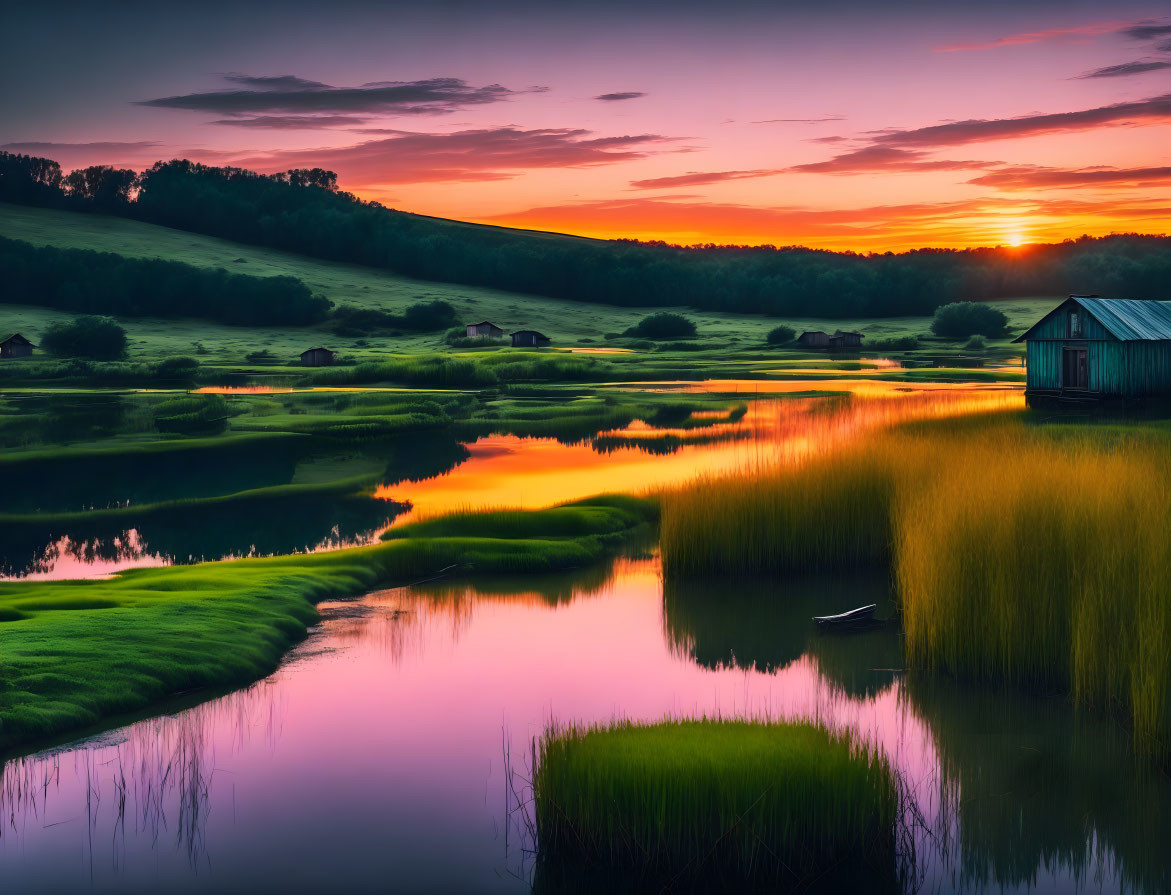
569,323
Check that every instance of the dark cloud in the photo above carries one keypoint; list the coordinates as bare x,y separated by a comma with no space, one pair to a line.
956,133
470,155
48,146
288,94
1164,47
275,82
1028,177
294,122
697,178
801,120
1146,30
1127,68
617,97
885,158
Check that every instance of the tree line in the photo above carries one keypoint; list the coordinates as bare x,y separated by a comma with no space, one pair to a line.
303,211
90,282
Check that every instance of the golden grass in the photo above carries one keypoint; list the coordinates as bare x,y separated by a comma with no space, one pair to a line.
1032,556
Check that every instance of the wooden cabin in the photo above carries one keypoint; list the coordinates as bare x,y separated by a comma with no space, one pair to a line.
842,339
16,345
815,339
529,338
317,357
484,330
1091,349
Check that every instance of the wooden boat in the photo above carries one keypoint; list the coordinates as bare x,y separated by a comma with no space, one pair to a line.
862,617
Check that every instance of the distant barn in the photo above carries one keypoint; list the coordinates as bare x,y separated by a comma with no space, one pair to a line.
484,330
16,345
317,357
842,339
1092,349
814,339
529,338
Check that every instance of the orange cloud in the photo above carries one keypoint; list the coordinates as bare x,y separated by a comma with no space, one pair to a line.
1080,33
985,221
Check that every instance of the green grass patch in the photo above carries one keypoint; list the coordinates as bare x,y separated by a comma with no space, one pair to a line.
65,665
715,806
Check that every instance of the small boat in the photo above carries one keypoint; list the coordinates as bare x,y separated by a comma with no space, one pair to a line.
862,617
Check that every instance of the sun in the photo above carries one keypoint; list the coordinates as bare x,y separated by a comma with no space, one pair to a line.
1015,239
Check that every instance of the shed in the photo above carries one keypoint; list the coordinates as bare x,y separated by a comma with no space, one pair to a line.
842,339
317,357
815,339
529,338
1092,349
484,330
16,345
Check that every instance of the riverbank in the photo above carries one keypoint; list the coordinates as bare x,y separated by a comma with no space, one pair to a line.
74,652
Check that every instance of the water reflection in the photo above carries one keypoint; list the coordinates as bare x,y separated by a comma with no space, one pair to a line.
507,470
374,757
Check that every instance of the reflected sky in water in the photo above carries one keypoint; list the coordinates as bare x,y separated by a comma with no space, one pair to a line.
494,471
375,758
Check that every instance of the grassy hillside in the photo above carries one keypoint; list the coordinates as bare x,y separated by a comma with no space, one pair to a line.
568,323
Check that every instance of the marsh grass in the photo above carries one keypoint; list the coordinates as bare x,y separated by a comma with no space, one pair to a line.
715,805
1024,555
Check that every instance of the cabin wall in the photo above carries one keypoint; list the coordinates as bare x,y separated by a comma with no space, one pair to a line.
1042,365
1056,325
1107,361
1148,368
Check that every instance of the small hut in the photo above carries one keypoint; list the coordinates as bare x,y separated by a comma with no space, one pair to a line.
842,339
529,338
814,339
484,330
16,345
317,357
1090,349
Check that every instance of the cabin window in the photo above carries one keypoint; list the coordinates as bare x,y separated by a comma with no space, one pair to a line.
1075,324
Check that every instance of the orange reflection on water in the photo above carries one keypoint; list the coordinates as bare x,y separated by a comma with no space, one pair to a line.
506,470
242,390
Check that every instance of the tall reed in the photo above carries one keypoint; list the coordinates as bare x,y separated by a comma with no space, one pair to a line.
716,805
1025,555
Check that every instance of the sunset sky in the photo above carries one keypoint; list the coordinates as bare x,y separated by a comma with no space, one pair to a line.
841,125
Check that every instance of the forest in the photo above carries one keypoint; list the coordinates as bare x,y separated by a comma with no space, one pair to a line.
91,282
303,211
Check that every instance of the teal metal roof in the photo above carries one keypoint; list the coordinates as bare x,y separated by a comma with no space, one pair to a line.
1128,320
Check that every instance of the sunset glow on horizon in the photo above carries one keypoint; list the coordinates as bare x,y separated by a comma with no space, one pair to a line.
848,128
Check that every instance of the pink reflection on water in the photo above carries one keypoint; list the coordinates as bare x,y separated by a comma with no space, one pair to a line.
67,558
377,750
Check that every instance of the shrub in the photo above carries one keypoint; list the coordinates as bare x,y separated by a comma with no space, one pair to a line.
429,316
663,325
976,343
898,343
961,319
779,335
177,368
262,355
97,337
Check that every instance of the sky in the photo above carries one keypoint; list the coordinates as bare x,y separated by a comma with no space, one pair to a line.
843,125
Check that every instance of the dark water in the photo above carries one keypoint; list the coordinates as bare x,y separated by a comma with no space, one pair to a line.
376,758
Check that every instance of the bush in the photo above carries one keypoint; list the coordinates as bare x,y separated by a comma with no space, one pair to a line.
779,335
97,337
976,343
429,316
192,415
961,319
262,355
900,343
177,368
663,325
